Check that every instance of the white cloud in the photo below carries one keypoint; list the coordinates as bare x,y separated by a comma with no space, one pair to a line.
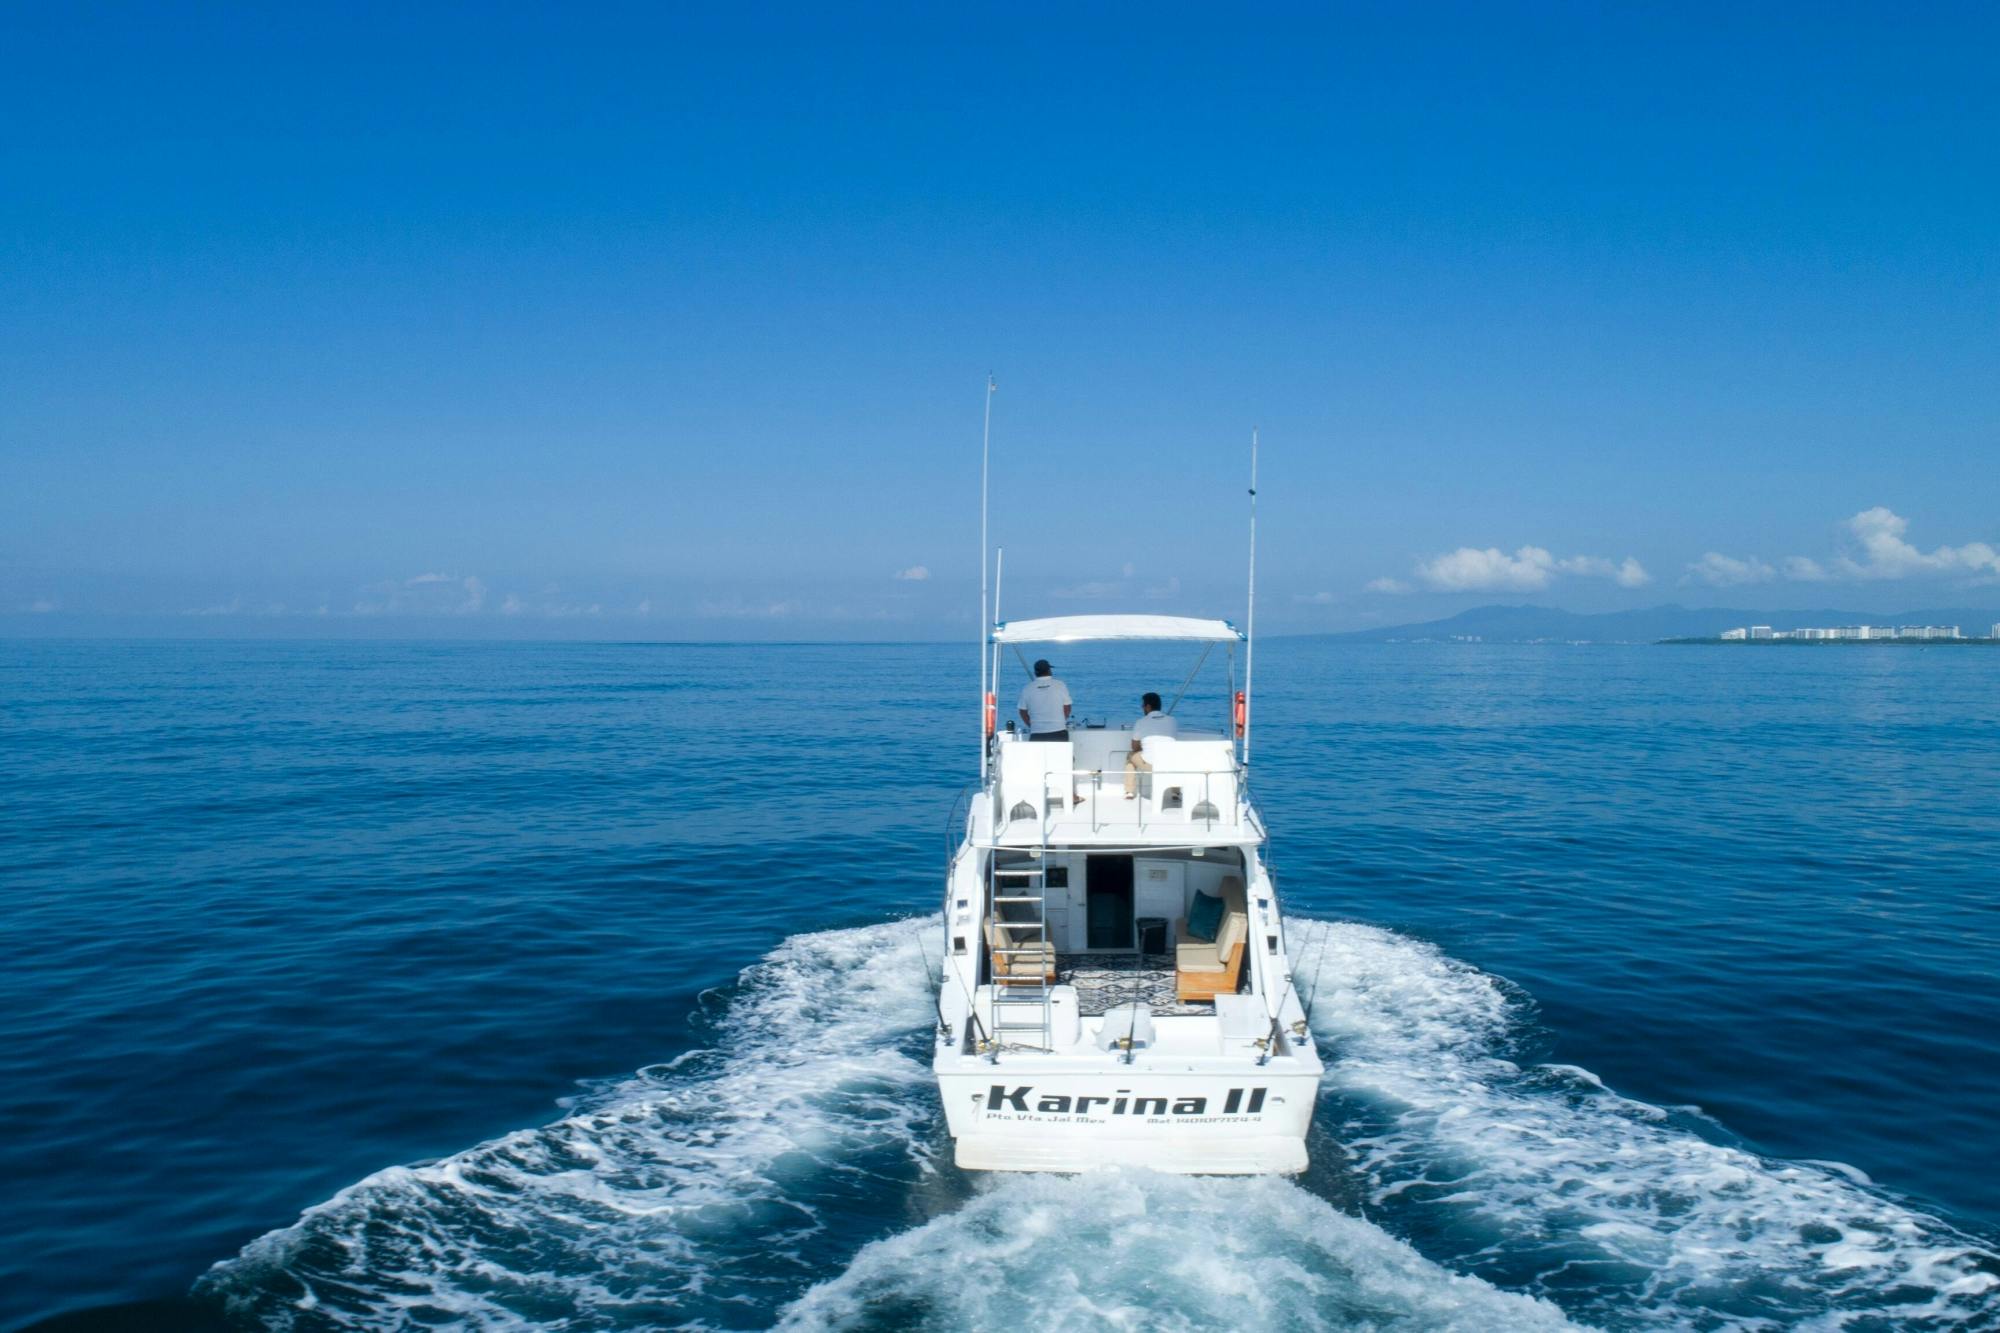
1129,569
737,609
1886,554
1805,570
1590,566
1161,592
1470,567
1627,573
424,595
1388,585
1721,571
1326,598
1528,569
914,574
1879,549
42,606
236,606
511,605
644,608
232,607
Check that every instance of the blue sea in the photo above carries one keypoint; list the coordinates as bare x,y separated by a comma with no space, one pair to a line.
361,985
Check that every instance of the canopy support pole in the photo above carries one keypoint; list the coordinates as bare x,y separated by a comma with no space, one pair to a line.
1179,694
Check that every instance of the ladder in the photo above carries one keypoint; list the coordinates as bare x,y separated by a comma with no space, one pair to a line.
1019,898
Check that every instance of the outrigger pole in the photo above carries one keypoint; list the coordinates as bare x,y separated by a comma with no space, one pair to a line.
993,672
985,453
1250,623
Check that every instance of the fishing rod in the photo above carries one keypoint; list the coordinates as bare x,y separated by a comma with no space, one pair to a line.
1319,973
930,977
986,687
1132,1031
937,991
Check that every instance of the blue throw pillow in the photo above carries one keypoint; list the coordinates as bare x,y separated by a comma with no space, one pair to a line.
1205,917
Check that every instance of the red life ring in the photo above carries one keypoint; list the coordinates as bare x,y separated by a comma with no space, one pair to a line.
990,702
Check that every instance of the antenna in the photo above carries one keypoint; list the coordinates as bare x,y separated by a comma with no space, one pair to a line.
985,453
1250,624
999,568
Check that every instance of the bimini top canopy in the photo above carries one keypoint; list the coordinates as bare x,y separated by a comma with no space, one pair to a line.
1088,629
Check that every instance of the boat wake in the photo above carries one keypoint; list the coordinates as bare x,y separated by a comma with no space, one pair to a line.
693,1193
1543,1180
1138,1250
796,1174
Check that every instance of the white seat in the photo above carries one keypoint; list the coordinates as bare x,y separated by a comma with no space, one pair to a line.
1031,772
1203,770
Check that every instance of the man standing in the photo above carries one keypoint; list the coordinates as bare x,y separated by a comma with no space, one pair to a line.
1045,705
1154,723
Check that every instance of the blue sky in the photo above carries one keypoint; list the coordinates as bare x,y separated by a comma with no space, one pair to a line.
552,321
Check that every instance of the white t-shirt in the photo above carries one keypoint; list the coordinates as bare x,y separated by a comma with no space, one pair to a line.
1155,723
1043,700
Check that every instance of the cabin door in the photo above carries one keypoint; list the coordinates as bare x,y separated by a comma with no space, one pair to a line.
1108,902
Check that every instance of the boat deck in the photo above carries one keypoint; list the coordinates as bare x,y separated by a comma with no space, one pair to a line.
1104,981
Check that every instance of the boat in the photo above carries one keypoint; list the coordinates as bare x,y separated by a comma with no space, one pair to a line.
1117,988
1117,984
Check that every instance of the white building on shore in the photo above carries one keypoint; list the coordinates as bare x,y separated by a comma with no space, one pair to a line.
1850,632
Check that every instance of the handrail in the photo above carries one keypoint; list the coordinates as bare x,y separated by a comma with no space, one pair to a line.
954,829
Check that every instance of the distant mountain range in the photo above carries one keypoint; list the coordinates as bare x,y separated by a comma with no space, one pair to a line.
1528,624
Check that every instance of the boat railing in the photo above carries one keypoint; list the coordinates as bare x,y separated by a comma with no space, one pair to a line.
1176,800
1181,797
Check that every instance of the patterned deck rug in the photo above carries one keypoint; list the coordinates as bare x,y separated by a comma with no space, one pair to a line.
1105,981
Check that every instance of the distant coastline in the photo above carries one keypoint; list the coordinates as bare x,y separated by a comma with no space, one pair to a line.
1527,624
1839,643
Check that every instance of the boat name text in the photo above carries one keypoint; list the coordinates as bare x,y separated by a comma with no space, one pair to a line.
999,1097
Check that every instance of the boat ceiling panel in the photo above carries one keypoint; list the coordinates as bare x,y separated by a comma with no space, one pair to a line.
1090,629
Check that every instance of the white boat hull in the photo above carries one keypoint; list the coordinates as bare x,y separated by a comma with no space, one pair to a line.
1010,1117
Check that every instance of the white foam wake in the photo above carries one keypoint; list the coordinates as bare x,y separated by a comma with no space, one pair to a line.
1544,1180
665,1193
1135,1250
711,1192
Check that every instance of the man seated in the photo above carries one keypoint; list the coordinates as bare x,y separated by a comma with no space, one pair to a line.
1154,723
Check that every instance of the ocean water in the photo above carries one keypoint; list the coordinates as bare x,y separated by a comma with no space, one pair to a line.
583,986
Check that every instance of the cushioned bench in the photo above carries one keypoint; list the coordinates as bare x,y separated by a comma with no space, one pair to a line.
1018,966
1204,970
